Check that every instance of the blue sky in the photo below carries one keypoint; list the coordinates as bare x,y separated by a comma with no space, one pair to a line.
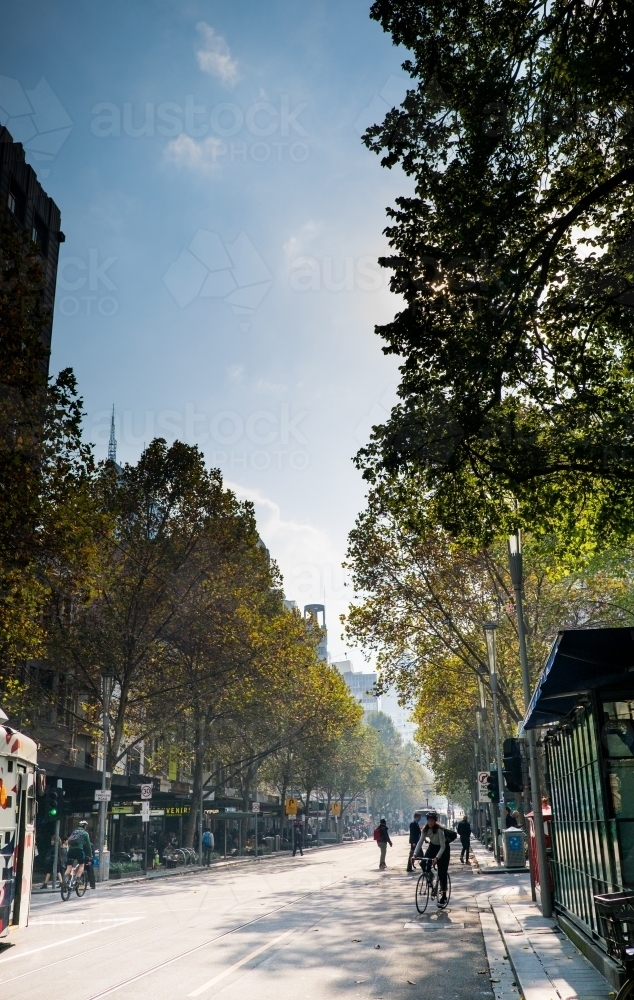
219,281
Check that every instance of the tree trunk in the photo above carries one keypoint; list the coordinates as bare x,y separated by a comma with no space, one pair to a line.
192,819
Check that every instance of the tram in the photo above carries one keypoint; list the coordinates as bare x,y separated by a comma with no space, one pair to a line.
18,779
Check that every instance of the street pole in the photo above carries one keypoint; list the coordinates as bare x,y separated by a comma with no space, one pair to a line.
516,571
492,805
107,680
56,845
200,814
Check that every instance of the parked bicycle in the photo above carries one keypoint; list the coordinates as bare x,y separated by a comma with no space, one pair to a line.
72,880
428,887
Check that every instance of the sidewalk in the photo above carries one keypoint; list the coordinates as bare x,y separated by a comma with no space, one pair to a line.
528,955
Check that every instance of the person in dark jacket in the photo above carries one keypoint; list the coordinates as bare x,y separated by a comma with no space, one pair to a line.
438,851
414,837
383,839
464,832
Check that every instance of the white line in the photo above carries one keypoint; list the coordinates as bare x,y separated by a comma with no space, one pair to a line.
238,965
65,941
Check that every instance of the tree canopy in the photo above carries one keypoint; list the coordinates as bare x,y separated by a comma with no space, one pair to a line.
514,253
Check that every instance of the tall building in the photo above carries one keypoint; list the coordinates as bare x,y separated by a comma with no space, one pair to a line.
28,204
314,611
361,686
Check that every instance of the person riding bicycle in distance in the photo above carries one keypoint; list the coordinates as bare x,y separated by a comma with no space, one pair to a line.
79,849
438,850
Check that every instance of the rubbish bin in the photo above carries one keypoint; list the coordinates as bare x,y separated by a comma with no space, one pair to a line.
513,849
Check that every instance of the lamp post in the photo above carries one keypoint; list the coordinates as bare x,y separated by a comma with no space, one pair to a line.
489,634
107,683
516,571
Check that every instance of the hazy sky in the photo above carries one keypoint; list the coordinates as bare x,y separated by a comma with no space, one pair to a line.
219,280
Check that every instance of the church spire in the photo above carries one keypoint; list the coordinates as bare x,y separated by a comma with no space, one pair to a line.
112,443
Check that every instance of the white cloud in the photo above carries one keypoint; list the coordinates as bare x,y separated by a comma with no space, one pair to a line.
309,560
296,245
235,372
214,57
186,152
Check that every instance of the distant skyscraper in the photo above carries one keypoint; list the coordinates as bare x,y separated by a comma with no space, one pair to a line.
313,611
112,443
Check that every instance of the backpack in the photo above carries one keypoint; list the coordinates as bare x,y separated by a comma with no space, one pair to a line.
377,833
450,835
207,838
75,839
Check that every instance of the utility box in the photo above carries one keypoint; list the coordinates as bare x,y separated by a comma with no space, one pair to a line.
514,851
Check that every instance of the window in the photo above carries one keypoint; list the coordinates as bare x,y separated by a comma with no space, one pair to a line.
39,234
16,202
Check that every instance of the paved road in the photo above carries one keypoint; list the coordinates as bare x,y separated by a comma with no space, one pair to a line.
324,927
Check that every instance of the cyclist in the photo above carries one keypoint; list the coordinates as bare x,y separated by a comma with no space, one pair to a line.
79,849
438,850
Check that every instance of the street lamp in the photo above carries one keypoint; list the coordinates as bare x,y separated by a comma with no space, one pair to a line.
107,684
489,635
516,571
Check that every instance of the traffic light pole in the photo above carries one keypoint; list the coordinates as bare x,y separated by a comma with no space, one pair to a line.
56,844
515,567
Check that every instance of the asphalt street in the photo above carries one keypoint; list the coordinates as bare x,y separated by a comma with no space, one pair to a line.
329,925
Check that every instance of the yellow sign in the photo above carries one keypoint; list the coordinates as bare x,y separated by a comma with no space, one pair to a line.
335,809
291,807
172,764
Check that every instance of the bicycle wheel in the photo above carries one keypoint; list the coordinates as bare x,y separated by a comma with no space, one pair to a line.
442,906
81,884
422,893
65,890
627,990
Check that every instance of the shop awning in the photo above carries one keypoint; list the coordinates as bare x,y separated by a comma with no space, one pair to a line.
581,660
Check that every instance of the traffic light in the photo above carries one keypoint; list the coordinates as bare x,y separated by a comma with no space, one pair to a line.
493,786
512,769
52,804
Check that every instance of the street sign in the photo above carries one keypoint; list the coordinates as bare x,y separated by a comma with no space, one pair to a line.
146,792
483,787
145,812
291,807
255,807
103,794
335,809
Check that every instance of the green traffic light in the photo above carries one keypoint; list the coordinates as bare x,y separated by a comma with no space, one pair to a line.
52,812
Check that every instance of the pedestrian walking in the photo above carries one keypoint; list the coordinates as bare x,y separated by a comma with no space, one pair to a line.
208,846
48,862
414,837
298,837
90,867
382,837
464,832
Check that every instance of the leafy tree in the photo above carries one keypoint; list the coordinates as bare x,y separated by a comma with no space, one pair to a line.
354,763
423,599
514,254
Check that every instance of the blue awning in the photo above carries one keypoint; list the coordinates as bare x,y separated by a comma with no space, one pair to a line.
581,660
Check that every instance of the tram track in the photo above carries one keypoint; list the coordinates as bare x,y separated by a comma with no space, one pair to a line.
347,879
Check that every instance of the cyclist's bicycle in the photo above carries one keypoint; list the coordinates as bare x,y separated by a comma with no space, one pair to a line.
72,880
428,887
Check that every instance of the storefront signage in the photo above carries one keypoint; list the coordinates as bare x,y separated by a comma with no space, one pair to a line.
177,810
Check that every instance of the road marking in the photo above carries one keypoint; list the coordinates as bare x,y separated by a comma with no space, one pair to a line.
65,941
238,965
